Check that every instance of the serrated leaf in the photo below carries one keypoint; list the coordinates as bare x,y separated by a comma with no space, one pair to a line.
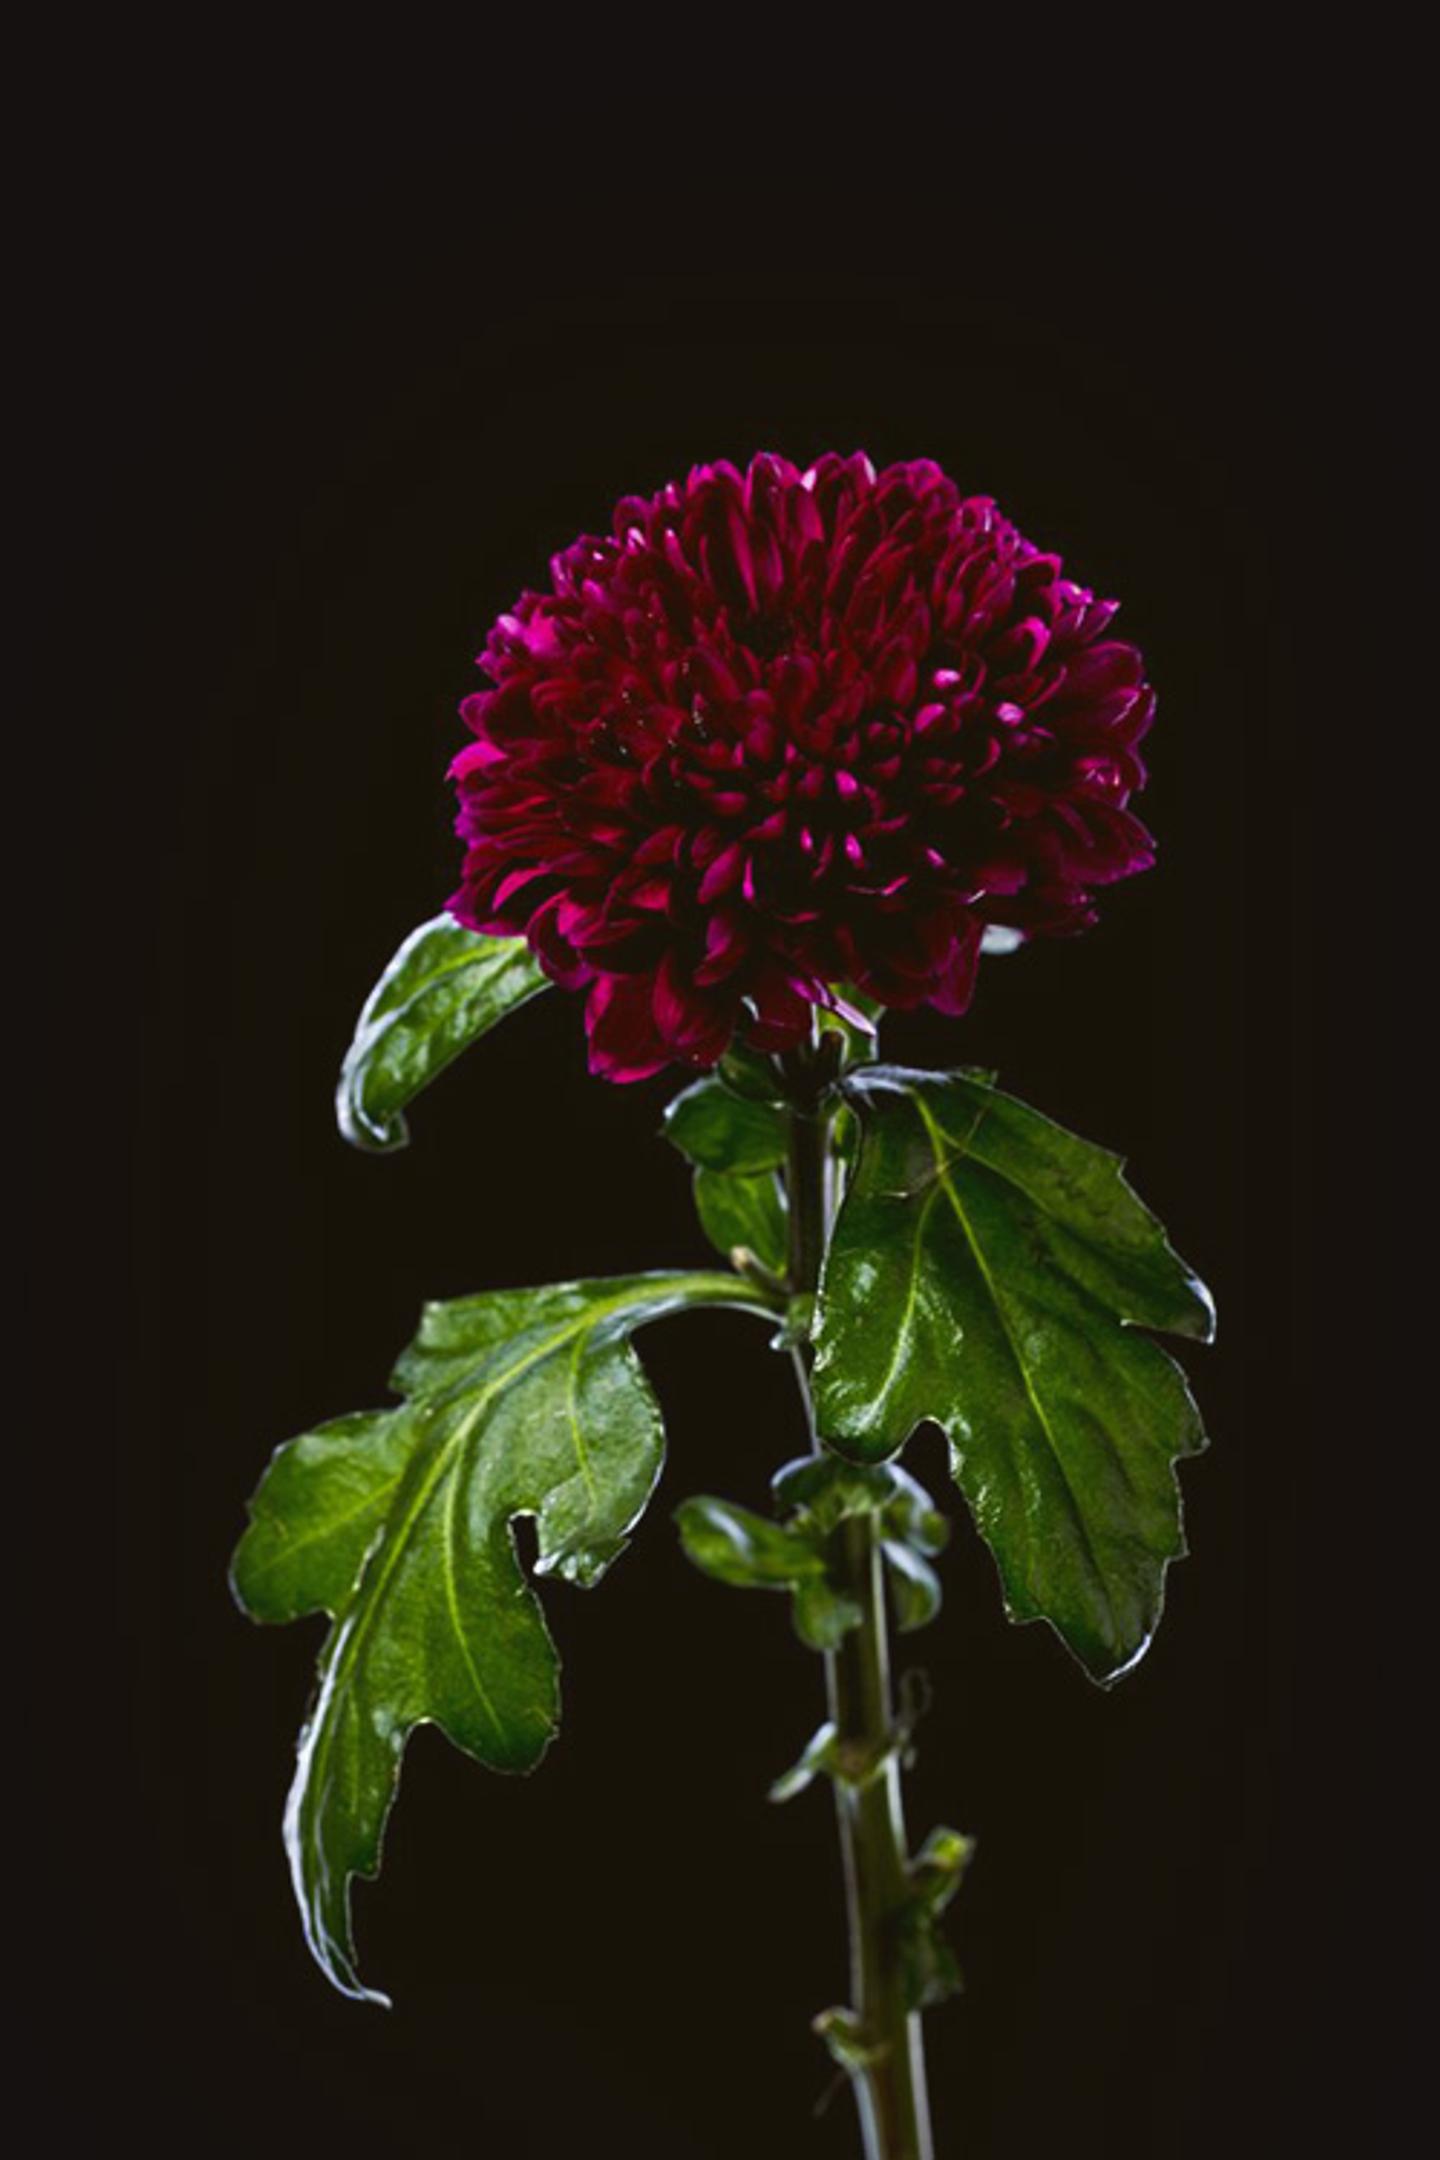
398,1524
443,990
719,1130
748,1211
990,1271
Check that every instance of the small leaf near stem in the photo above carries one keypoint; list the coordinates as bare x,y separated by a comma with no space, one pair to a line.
878,2039
743,1211
736,1140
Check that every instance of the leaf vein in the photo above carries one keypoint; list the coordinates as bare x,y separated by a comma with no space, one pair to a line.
301,1543
936,1136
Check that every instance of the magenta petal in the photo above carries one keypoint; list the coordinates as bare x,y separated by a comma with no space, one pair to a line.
727,941
553,949
782,1012
726,870
955,985
623,1042
1103,668
695,1023
776,728
516,880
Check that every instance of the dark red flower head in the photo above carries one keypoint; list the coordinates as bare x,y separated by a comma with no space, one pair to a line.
786,731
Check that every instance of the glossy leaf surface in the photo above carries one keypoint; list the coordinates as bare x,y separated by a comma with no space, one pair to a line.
720,1130
816,1494
398,1524
990,1271
748,1551
443,990
816,1760
748,1211
914,1585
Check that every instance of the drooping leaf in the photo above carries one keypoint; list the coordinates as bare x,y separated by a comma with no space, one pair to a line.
443,990
911,1515
990,1271
743,1211
720,1130
914,1585
398,1524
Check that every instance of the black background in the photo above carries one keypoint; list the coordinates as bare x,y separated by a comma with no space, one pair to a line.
323,419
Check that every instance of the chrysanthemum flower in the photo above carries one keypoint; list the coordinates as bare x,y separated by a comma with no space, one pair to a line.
786,731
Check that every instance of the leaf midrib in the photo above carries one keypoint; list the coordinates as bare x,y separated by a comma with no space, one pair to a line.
936,1136
306,1539
445,1456
343,1673
394,1014
1156,1246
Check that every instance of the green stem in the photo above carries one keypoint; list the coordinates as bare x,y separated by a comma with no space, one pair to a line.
890,2080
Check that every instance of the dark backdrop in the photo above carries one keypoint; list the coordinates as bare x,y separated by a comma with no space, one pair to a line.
342,417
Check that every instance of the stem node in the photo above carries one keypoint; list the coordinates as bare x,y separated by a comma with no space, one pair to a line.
877,2042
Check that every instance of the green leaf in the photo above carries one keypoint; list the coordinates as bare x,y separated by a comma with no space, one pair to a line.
747,1072
931,1972
794,1329
911,1514
823,1614
750,1552
747,1551
323,1500
846,2038
914,1584
398,1524
443,990
822,1490
748,1211
827,1489
817,1760
858,1025
720,1130
982,1271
